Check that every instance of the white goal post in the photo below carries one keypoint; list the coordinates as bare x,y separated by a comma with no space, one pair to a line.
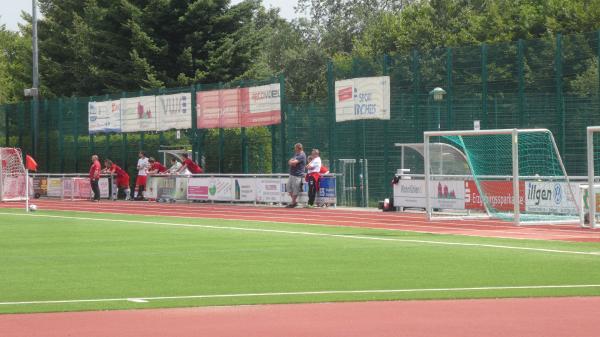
517,175
591,170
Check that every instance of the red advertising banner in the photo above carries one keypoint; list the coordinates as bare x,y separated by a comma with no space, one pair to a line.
499,194
240,107
219,108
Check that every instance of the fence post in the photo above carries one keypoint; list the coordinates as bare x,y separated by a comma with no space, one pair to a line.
47,115
21,121
124,147
273,146
75,131
449,89
61,144
598,52
386,137
244,143
521,79
91,137
416,85
331,108
484,83
194,116
559,90
7,124
283,121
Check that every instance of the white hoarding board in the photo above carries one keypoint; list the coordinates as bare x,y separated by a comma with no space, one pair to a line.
269,190
244,189
197,188
444,194
54,187
174,111
104,116
550,197
362,98
138,114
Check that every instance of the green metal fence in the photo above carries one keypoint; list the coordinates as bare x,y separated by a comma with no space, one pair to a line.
549,83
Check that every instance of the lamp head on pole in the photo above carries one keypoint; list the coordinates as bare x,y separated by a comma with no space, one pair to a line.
438,94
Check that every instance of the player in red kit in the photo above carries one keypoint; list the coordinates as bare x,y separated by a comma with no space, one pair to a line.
156,167
95,177
121,178
190,165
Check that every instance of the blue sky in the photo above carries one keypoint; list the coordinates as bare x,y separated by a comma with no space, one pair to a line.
10,10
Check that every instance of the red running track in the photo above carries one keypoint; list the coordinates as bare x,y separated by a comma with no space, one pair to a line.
413,222
543,317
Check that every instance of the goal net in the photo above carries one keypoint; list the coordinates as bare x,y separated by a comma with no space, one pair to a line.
12,175
514,175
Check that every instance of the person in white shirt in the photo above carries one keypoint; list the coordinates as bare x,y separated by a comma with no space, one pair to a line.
175,166
313,175
140,182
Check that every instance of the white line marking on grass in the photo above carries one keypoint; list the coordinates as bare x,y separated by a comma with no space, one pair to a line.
137,300
343,236
306,293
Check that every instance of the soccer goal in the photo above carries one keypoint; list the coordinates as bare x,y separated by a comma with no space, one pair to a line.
515,175
13,185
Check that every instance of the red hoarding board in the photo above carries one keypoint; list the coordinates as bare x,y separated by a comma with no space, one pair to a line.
499,194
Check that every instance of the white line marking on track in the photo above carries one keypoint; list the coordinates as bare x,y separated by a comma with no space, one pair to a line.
303,233
306,293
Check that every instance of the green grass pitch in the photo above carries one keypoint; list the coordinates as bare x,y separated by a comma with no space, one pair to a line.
89,261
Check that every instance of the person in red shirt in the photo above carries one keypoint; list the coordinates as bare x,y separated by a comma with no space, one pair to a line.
190,165
95,177
156,167
121,178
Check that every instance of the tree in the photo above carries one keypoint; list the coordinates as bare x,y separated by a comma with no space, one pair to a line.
15,67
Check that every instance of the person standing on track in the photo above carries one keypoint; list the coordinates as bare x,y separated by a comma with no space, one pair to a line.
95,177
121,178
313,176
190,165
142,177
297,164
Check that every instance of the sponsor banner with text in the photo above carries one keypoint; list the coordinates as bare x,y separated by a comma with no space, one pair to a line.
104,116
362,98
174,111
551,197
499,194
138,114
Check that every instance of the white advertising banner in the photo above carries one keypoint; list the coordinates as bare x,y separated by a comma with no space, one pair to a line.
54,187
244,189
269,190
218,189
551,197
138,114
444,194
362,98
174,111
409,193
104,116
197,188
264,106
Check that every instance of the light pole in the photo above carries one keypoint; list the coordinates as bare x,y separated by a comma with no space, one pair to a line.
34,91
438,96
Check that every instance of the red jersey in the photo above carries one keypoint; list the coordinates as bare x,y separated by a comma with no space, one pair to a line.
118,171
324,169
193,167
158,166
95,170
